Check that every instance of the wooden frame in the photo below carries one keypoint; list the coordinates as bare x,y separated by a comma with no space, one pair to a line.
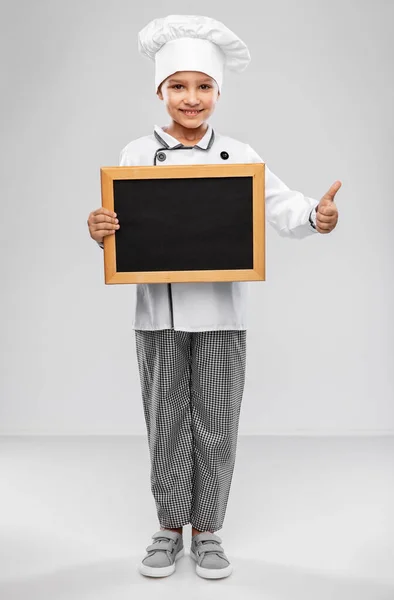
256,171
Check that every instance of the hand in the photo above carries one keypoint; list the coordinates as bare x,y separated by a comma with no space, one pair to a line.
327,211
102,222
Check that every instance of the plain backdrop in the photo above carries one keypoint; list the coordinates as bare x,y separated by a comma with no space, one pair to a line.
316,102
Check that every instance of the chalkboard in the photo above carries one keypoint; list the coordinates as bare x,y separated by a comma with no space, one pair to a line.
185,223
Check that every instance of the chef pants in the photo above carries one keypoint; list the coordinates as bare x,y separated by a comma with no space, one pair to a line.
192,385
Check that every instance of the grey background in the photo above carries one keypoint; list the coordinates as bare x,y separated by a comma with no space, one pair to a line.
316,102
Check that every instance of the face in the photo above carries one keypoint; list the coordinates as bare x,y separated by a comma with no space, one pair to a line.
190,97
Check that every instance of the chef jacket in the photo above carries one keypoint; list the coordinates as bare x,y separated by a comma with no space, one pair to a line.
209,306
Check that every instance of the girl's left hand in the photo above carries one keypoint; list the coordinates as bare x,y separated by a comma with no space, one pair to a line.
327,211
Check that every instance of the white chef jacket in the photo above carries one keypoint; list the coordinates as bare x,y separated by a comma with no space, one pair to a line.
209,306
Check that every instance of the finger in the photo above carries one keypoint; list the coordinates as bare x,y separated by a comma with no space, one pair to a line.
323,228
104,218
326,211
333,190
104,211
105,226
322,218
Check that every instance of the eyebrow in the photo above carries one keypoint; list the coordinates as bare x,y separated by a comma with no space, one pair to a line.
206,79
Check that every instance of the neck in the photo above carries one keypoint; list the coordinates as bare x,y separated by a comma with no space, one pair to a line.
185,133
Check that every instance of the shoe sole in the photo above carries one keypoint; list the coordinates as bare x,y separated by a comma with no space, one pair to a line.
211,573
160,571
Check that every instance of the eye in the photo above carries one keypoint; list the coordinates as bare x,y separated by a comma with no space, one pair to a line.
177,86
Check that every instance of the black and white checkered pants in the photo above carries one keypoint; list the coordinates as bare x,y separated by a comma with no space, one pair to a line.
192,385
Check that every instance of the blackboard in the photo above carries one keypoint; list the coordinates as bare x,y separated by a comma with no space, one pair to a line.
178,227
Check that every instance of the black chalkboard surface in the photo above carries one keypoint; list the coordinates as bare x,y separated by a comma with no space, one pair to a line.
185,223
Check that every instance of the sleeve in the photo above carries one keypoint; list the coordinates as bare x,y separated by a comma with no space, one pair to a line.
123,162
288,211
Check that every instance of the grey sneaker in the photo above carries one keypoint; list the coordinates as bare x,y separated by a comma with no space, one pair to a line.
162,554
211,560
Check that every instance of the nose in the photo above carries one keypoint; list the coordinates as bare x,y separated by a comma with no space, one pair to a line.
191,98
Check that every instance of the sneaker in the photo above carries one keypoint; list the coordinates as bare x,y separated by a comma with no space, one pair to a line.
162,554
211,560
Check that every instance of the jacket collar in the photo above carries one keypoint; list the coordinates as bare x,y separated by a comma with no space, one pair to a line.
170,142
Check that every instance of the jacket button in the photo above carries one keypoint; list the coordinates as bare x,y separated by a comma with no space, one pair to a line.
224,155
161,156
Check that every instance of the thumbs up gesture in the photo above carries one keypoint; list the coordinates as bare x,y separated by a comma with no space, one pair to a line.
327,211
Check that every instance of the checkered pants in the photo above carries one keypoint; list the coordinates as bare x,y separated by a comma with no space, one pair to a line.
192,385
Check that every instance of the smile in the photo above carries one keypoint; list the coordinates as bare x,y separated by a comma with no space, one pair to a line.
191,113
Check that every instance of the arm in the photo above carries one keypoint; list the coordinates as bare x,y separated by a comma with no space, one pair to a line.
288,211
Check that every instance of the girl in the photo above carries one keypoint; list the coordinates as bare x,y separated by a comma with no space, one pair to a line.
191,337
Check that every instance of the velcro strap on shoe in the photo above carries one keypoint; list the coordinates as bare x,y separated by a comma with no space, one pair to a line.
160,546
171,535
206,536
209,548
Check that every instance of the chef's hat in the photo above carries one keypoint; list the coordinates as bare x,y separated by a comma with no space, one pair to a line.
192,43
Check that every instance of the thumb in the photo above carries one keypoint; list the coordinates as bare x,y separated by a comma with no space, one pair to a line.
332,191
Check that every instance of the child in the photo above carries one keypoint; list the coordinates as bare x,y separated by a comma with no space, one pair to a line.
191,337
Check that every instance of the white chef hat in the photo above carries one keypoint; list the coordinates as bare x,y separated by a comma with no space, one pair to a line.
192,43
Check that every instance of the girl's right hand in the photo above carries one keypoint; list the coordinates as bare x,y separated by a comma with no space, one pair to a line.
102,222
